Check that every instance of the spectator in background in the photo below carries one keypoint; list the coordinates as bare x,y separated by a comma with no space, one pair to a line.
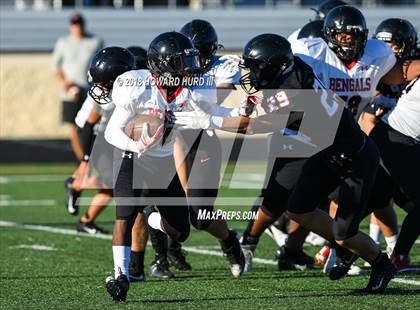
71,59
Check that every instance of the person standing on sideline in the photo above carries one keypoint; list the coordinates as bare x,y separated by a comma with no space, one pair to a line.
71,59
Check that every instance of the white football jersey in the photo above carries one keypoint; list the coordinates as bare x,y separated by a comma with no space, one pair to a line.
88,105
355,83
405,117
225,69
293,36
135,92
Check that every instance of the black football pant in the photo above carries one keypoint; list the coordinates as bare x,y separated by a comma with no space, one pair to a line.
158,176
324,172
401,157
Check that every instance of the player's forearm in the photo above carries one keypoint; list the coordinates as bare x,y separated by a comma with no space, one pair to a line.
114,133
412,70
367,122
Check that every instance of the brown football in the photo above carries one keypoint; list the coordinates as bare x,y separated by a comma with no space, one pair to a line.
134,127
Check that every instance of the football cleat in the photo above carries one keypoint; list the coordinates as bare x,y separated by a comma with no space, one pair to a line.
160,269
355,270
383,270
117,288
71,197
402,262
90,228
288,259
176,258
329,263
232,251
136,271
248,251
322,255
277,235
137,277
314,239
343,264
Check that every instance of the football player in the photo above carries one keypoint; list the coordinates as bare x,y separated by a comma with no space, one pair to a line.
401,36
281,176
352,66
148,162
350,161
201,151
320,12
397,136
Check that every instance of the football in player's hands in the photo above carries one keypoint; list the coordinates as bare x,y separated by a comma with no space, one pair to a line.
135,126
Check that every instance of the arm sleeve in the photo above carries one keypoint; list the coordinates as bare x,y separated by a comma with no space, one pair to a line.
114,132
87,138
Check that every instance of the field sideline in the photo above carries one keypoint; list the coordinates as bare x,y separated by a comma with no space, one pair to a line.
45,264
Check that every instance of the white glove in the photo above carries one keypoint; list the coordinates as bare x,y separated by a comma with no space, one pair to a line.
146,141
248,105
197,119
229,65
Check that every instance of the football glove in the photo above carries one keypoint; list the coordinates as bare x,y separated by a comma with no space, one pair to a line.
197,119
146,141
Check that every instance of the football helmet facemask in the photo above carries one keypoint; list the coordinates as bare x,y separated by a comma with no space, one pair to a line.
346,19
105,67
269,58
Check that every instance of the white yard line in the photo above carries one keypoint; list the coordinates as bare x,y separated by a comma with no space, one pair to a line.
36,247
72,232
20,203
406,281
4,179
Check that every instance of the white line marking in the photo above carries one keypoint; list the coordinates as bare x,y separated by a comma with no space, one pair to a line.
187,248
4,179
406,281
22,203
37,247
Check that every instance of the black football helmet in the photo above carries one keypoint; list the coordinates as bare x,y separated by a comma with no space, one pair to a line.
172,54
325,7
400,31
204,38
269,58
313,29
105,67
346,19
140,55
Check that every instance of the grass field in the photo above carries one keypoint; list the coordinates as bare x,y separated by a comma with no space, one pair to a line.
45,265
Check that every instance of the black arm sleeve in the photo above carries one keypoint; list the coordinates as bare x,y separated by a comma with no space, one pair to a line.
87,138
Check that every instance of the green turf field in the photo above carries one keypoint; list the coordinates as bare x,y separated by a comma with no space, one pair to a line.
44,265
